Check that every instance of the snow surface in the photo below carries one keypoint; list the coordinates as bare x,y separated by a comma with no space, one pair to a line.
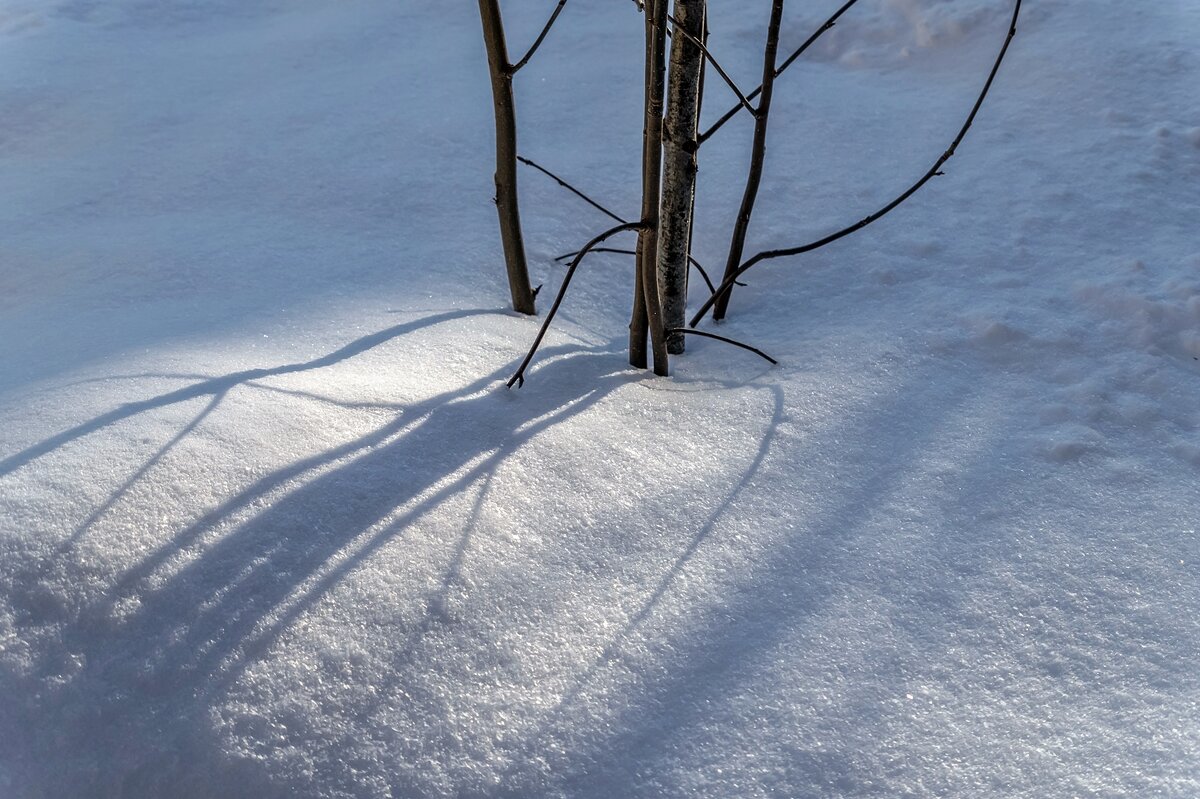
270,525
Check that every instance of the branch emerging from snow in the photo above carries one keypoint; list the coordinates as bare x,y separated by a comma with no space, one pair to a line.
934,171
518,377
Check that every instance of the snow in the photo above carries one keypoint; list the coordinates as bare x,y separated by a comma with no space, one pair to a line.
270,524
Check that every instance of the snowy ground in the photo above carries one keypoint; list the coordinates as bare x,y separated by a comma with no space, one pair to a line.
270,526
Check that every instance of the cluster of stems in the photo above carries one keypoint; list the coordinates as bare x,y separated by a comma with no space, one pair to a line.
671,141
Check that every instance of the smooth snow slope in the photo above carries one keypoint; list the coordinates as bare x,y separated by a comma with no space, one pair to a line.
270,525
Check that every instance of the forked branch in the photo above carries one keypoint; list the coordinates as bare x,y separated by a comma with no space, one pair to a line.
934,171
519,376
787,62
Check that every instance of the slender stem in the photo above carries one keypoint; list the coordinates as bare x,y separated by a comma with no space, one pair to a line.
758,152
538,42
656,69
726,339
934,171
507,201
519,376
732,112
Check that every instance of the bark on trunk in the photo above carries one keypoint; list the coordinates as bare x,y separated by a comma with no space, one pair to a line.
679,171
507,206
647,314
757,155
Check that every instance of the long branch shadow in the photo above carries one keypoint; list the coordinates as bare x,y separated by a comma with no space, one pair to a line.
215,598
622,750
672,573
219,386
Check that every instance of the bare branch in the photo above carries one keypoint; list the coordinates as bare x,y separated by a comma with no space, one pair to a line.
519,376
571,189
829,23
605,211
934,171
742,101
512,70
726,339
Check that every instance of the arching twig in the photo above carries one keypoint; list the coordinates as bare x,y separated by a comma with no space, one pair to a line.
934,171
703,274
512,70
726,339
799,51
519,376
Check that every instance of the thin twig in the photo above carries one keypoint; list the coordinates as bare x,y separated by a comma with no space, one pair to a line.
512,70
743,102
607,212
519,376
616,250
726,339
934,171
570,188
728,115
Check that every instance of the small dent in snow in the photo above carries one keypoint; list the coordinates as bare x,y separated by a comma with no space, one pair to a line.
1072,442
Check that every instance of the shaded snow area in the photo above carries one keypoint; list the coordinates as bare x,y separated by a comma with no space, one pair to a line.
271,526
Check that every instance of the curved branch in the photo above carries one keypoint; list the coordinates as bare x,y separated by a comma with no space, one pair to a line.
799,51
512,70
933,172
695,264
726,339
519,376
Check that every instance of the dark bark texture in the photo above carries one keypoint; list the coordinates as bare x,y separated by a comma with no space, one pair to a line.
507,204
679,170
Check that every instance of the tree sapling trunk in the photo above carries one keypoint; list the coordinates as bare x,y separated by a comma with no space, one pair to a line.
507,206
647,310
679,171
